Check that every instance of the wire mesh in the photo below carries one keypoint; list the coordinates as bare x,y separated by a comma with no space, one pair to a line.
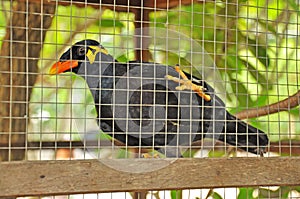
112,107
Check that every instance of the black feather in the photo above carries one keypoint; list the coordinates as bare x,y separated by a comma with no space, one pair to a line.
204,118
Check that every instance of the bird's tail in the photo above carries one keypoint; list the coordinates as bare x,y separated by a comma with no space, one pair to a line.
244,136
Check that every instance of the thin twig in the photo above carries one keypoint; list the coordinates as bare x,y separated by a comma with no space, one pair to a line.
283,105
210,192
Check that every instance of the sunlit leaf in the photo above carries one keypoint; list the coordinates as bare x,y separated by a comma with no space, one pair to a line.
282,192
261,100
261,79
269,25
215,195
260,51
245,193
294,5
189,153
123,58
294,111
176,194
216,153
110,23
241,93
297,188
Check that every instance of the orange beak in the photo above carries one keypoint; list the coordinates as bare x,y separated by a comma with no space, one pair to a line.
60,67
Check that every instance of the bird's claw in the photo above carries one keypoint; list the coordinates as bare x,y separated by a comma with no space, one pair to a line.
188,84
149,155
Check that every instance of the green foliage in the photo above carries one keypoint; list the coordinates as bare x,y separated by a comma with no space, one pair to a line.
4,10
294,5
110,23
255,50
52,108
254,45
280,192
217,154
176,194
245,193
215,195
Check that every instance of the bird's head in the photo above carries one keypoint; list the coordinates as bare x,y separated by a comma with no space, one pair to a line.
79,52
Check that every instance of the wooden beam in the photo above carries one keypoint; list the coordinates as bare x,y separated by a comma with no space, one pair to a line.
36,178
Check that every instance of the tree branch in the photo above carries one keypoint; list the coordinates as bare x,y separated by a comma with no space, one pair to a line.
283,105
19,53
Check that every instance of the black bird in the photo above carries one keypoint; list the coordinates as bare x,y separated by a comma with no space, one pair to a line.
153,105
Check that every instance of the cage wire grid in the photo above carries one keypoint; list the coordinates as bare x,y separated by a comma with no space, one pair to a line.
246,51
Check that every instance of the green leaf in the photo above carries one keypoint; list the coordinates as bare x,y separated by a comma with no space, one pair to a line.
260,51
122,153
241,93
176,194
261,79
297,188
282,192
216,154
294,5
110,23
215,195
269,26
104,136
233,59
295,111
261,100
123,59
189,153
245,193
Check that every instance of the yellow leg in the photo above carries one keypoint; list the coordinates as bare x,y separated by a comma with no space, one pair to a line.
149,155
188,84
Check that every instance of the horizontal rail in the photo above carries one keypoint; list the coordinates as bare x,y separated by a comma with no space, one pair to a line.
33,178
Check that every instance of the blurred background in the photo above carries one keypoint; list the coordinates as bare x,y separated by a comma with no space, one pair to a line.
254,45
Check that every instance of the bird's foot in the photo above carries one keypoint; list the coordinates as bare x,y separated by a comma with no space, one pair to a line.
150,155
188,84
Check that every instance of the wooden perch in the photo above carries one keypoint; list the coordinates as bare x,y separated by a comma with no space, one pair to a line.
283,105
36,178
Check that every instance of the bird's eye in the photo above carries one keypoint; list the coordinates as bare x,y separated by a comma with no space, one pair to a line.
81,51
